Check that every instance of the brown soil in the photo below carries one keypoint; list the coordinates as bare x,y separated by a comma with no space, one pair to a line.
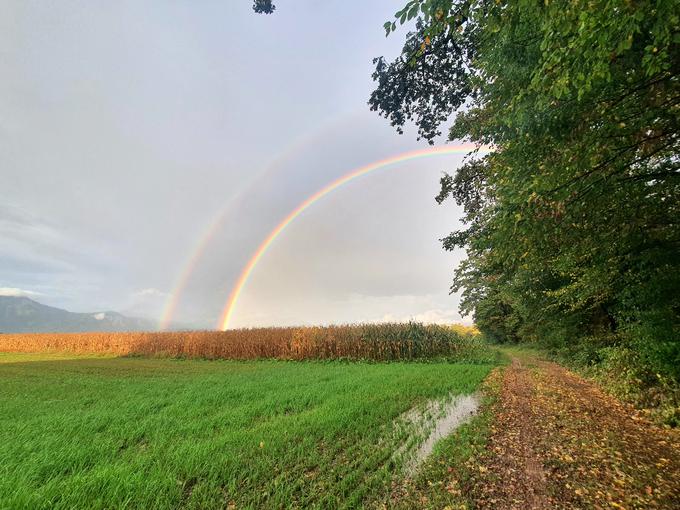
559,442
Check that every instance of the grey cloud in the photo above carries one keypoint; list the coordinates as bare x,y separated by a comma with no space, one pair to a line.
126,127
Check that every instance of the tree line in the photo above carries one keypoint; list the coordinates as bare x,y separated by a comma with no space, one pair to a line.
571,221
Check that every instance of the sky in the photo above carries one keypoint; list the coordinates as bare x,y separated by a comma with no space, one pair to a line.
130,129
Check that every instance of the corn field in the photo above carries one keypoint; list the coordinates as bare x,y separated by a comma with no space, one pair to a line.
382,342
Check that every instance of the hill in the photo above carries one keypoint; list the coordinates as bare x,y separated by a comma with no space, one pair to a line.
24,315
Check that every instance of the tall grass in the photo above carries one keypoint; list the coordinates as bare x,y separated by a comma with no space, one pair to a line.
395,341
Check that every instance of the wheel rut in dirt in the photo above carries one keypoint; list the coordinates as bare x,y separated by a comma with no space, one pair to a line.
558,441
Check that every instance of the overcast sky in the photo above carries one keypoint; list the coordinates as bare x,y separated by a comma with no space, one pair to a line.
128,127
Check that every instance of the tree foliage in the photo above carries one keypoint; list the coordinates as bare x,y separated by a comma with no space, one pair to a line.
263,6
571,221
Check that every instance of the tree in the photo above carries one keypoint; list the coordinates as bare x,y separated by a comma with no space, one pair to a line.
263,6
572,226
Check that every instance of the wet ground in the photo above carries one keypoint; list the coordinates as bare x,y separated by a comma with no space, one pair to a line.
558,441
445,417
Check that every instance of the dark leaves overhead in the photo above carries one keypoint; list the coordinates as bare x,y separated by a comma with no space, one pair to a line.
263,6
426,84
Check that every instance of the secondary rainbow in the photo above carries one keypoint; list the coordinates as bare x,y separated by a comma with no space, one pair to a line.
235,293
205,239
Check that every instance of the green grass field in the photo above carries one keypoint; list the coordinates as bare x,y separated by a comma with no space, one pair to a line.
97,432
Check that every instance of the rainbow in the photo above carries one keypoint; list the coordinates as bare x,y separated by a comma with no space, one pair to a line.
236,290
200,247
206,237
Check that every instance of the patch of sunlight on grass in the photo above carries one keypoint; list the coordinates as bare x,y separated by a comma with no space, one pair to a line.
23,357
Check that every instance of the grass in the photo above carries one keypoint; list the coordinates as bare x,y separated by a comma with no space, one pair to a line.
447,479
384,342
98,432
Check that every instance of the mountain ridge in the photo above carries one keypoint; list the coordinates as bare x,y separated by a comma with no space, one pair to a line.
20,314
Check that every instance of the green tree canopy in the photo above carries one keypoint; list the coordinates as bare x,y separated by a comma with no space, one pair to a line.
571,220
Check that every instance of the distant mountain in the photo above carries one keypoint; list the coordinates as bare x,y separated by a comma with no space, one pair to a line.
24,315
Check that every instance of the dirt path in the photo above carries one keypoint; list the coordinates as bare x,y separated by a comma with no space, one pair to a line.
559,442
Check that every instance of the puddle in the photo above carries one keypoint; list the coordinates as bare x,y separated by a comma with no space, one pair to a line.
429,424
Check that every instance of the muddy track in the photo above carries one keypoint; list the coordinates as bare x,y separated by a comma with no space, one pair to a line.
559,442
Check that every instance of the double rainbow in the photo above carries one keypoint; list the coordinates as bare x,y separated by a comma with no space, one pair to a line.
217,224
